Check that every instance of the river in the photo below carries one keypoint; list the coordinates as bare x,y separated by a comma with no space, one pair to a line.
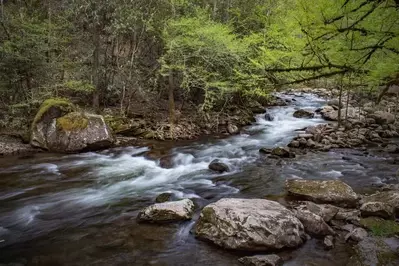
80,209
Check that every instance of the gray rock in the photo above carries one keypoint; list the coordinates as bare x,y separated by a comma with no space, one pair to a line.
391,148
348,215
303,114
294,144
218,166
262,260
326,211
268,117
232,129
314,224
388,197
265,150
383,117
167,212
72,132
310,143
379,209
328,242
283,152
358,234
305,136
249,224
164,197
374,251
327,191
166,162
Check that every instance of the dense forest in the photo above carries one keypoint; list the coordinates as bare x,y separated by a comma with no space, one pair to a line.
114,57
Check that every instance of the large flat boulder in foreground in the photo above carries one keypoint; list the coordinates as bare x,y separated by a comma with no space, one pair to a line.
249,224
327,191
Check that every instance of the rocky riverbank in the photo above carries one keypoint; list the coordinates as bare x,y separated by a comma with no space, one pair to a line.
329,211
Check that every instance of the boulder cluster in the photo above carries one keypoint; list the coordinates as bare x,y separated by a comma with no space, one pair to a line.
329,211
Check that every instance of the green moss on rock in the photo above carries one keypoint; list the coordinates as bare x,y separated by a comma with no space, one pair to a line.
72,122
63,104
380,227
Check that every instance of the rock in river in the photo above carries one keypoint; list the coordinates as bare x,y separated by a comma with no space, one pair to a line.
218,166
58,128
249,224
386,197
283,152
302,113
167,212
262,260
327,191
314,224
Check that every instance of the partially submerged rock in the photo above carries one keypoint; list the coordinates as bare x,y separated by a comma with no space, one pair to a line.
329,191
218,166
58,128
283,152
262,260
249,224
302,113
167,212
328,242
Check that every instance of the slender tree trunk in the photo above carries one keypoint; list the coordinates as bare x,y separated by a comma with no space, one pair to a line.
341,87
96,66
171,99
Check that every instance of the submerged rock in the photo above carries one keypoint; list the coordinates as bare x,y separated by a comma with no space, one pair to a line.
269,117
166,162
302,113
218,166
262,260
330,191
283,152
167,212
249,224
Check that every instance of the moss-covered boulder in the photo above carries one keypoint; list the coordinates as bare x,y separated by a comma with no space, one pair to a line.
322,191
57,127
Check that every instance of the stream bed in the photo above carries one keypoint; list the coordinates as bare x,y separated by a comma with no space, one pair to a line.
80,209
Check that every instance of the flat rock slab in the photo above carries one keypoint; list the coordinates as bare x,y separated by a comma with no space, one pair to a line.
249,224
167,212
329,191
262,260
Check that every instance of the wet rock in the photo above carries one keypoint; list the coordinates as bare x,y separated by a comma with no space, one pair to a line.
310,143
303,142
294,144
283,152
348,215
232,129
388,197
328,191
167,212
265,150
326,211
305,136
218,166
269,117
303,114
262,260
335,102
379,209
358,234
391,148
164,197
374,251
332,114
381,117
314,224
249,224
328,242
166,162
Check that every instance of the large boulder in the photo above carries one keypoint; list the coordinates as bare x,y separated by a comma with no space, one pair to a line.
328,191
382,118
262,260
167,212
386,197
379,209
302,113
58,128
249,224
326,211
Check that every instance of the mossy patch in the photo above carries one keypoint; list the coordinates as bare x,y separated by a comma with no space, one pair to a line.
380,227
63,104
387,258
72,122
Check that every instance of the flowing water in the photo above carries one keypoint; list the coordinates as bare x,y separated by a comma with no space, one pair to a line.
80,209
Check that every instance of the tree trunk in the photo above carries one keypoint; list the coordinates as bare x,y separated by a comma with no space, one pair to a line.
340,102
171,99
96,66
